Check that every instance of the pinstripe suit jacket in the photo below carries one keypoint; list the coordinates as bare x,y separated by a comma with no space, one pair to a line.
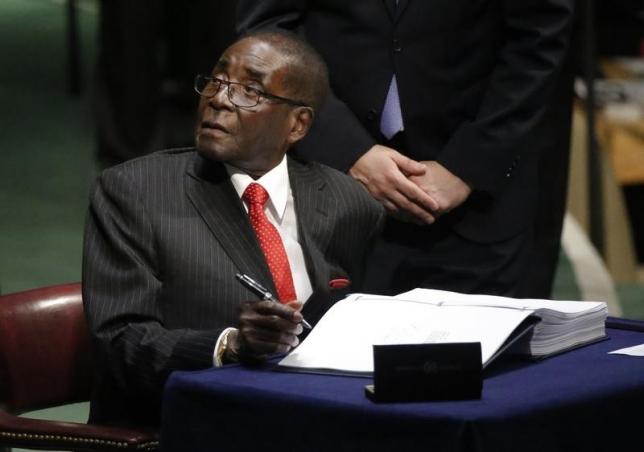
164,237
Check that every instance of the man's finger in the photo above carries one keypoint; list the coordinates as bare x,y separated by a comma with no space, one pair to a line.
403,204
413,194
296,305
418,196
407,166
262,350
269,336
270,322
257,345
267,307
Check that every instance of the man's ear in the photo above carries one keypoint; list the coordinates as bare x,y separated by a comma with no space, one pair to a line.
301,120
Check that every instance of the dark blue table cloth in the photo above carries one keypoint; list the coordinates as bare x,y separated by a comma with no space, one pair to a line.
582,400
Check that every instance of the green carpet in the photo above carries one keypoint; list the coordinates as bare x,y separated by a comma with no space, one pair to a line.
47,145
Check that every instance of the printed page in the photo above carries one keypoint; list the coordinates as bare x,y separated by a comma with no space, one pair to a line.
433,296
343,339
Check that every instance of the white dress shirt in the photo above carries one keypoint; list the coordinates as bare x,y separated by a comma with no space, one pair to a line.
280,210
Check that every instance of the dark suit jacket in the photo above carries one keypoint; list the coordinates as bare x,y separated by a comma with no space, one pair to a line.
164,238
475,79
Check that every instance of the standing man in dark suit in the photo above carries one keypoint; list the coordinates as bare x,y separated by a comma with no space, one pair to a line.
166,234
441,109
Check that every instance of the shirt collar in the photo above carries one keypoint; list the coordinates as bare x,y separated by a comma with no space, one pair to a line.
276,182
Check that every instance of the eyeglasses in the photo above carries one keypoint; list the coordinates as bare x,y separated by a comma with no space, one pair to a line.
239,95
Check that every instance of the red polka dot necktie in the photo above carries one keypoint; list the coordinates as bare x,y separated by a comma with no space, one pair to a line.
270,241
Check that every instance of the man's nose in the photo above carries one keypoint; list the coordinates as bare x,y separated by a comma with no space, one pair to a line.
221,100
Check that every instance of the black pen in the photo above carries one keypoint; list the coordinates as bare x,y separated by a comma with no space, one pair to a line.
261,291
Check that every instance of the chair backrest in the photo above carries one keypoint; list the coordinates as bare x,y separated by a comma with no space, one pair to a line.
45,350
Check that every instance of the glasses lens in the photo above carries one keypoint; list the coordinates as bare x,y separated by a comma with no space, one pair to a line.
238,94
242,96
206,86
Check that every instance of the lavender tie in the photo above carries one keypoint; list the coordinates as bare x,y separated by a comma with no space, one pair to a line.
391,121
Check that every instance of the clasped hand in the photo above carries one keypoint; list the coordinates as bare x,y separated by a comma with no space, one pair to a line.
265,328
410,190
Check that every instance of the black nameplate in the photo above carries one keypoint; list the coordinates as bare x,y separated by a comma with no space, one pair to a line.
415,372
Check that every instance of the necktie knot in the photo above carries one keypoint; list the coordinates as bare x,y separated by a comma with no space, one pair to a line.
255,194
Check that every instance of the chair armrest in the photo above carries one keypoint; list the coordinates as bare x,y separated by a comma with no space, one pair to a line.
54,435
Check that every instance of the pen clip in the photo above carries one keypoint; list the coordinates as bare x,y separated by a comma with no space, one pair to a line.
262,292
259,289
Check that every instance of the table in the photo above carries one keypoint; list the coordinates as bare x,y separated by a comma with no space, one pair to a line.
583,400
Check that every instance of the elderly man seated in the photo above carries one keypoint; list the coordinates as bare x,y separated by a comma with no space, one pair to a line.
167,234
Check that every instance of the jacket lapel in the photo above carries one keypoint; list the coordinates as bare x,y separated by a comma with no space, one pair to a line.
209,189
315,227
312,204
395,11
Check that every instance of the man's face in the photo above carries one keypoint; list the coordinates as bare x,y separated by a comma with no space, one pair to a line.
253,139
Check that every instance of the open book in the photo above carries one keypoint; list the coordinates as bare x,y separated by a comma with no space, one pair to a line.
342,340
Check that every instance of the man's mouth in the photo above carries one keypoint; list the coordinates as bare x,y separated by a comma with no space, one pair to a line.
213,125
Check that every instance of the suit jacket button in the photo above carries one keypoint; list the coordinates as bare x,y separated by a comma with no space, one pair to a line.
397,47
372,115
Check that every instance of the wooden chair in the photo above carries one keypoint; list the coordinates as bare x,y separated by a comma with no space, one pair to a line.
45,361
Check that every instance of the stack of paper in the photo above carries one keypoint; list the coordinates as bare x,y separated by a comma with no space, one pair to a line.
343,339
563,325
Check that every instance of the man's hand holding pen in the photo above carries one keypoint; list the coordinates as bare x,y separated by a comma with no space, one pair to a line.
265,328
